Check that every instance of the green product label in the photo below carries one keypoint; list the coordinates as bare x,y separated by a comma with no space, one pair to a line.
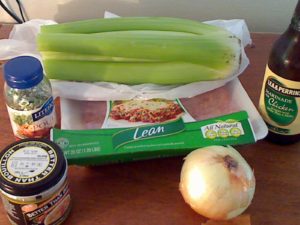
280,102
146,132
223,129
103,146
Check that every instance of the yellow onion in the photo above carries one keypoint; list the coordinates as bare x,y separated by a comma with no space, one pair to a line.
217,182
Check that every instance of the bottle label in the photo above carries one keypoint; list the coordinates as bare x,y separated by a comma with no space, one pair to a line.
279,104
33,123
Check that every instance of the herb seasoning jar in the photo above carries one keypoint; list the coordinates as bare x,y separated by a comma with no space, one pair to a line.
33,183
28,96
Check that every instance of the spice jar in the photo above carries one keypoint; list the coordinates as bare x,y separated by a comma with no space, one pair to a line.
28,96
33,182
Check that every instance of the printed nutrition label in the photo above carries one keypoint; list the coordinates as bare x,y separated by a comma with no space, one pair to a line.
28,162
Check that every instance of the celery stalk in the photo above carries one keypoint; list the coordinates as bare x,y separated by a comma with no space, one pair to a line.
208,50
135,50
132,73
89,57
132,23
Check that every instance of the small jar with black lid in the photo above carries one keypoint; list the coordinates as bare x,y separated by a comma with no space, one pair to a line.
33,182
28,96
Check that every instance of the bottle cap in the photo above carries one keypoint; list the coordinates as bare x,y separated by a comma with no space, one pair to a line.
23,72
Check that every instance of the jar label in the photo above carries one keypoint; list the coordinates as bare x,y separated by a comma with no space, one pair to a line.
24,164
33,123
45,212
279,104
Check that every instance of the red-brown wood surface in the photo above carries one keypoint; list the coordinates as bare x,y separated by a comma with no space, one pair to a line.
146,192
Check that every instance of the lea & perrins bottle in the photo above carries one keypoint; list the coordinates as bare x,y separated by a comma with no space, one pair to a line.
279,102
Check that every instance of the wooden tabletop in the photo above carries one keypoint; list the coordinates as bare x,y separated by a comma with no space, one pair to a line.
146,192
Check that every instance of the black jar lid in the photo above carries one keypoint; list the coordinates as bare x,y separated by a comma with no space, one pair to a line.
31,166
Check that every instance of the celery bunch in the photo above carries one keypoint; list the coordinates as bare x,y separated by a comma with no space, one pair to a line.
138,50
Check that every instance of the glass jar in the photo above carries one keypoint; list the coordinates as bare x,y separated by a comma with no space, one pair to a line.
28,96
34,185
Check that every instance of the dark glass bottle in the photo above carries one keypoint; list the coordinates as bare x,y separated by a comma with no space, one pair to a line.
280,97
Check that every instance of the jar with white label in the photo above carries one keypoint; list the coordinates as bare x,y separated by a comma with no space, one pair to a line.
28,96
33,183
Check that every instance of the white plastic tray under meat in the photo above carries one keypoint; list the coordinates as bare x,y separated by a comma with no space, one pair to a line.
81,114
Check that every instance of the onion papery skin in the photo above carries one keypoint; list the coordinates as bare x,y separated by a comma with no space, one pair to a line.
217,182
